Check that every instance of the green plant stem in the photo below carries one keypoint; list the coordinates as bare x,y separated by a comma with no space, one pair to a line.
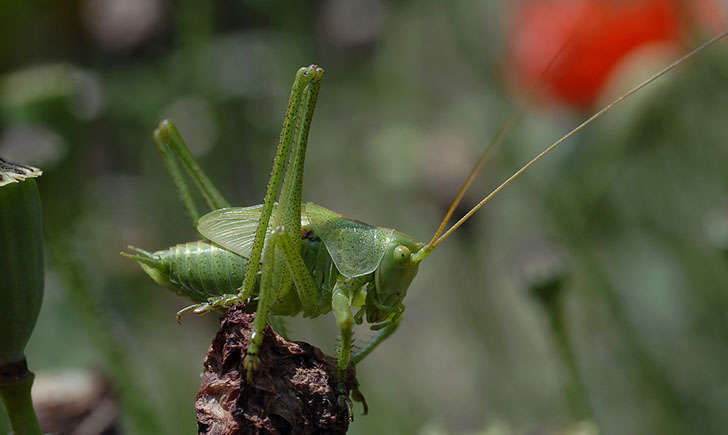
576,393
91,311
567,210
15,383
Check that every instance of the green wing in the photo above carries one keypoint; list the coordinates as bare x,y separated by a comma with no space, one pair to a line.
356,248
234,228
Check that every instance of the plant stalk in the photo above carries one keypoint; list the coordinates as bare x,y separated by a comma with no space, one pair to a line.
576,393
15,383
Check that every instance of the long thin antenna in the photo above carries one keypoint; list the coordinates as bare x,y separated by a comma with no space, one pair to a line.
500,135
588,121
497,139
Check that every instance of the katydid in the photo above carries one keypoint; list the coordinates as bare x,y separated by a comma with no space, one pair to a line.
308,259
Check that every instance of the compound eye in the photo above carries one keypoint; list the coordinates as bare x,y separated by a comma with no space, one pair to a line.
401,254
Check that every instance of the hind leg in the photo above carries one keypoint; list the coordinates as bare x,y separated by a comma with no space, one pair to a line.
287,170
174,150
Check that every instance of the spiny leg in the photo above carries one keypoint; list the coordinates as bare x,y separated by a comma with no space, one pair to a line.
288,214
281,262
304,77
282,259
341,306
173,168
295,127
341,298
274,274
174,150
172,147
307,293
290,197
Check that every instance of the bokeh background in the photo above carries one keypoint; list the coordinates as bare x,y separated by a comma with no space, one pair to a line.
590,295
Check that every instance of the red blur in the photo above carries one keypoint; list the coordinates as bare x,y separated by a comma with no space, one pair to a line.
566,50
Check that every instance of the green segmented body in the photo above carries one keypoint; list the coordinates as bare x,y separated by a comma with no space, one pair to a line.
199,270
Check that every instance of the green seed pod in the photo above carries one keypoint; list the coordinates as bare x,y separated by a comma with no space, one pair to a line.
21,258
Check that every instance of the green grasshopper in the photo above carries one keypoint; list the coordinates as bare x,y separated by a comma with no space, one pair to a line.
309,259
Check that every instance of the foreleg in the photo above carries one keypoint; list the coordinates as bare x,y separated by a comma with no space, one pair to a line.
341,298
341,306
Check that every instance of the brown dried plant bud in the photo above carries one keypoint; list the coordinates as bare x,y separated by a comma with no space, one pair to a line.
294,391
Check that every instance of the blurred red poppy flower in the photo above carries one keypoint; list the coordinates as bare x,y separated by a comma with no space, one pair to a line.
567,49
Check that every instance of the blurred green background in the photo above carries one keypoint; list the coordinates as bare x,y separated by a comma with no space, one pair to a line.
623,233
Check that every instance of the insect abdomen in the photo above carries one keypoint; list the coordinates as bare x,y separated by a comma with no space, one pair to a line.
200,269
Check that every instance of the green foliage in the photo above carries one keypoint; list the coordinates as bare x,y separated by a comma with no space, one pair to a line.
21,258
407,108
21,288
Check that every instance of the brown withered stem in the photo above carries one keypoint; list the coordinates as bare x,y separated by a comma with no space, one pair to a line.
294,391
